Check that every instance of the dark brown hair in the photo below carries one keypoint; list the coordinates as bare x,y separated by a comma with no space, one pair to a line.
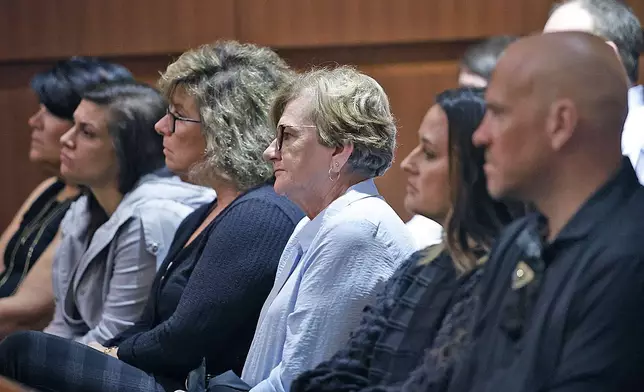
475,219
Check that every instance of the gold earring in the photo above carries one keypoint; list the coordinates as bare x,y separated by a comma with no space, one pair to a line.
336,177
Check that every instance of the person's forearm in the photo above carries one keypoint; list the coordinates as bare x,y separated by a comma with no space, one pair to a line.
18,314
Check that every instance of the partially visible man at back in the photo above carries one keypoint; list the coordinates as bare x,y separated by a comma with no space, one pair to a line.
479,60
618,25
563,292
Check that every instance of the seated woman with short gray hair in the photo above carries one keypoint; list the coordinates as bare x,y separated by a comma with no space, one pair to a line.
335,133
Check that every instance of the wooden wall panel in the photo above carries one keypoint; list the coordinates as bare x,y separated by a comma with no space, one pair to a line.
411,47
638,7
306,23
60,28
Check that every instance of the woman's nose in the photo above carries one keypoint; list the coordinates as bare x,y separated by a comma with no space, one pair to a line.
271,153
408,163
163,126
34,120
67,138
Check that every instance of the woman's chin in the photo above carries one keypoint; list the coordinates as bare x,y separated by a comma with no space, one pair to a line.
280,186
278,189
410,205
35,156
65,172
178,170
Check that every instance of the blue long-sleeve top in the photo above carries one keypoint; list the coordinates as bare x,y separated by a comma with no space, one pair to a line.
331,268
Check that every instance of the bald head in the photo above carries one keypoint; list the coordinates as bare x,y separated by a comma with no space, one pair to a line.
556,103
573,66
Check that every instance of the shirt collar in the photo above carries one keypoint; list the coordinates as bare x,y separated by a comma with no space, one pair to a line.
607,199
357,192
635,97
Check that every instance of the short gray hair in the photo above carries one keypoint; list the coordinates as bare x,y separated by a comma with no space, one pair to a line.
481,58
347,107
613,20
234,85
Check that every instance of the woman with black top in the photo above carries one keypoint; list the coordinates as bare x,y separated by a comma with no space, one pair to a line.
423,315
27,245
208,293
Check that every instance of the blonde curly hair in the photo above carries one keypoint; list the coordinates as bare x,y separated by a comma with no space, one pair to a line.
234,85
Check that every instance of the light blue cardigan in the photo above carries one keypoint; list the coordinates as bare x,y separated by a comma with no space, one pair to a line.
331,268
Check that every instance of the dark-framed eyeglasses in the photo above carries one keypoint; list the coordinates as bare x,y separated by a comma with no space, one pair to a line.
176,118
279,137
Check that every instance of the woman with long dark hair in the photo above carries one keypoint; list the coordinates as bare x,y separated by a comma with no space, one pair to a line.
424,313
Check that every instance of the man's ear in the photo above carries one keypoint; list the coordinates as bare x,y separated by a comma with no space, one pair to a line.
612,45
561,123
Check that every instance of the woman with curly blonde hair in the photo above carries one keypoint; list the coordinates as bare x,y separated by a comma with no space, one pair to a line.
207,295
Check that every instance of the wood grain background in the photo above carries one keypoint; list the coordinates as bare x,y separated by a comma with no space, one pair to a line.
412,47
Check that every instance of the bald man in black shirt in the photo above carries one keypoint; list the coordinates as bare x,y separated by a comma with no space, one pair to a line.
561,306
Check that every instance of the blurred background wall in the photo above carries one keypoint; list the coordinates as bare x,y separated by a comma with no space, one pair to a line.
412,47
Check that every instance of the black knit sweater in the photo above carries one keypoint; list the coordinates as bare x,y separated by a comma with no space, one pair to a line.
418,313
207,296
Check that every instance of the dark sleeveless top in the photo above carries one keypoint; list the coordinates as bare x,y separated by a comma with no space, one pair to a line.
38,228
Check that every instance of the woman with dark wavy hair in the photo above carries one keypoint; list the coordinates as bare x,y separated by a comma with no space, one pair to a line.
28,243
423,315
116,234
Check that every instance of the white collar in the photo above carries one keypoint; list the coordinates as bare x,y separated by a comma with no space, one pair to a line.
635,97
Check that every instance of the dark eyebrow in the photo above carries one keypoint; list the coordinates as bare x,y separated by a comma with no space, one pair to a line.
84,123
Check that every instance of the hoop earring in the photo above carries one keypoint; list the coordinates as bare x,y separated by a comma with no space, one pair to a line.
333,179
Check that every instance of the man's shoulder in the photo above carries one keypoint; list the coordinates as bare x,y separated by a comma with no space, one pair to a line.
509,235
505,254
623,229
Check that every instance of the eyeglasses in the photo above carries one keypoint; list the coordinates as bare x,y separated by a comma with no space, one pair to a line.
280,133
174,118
